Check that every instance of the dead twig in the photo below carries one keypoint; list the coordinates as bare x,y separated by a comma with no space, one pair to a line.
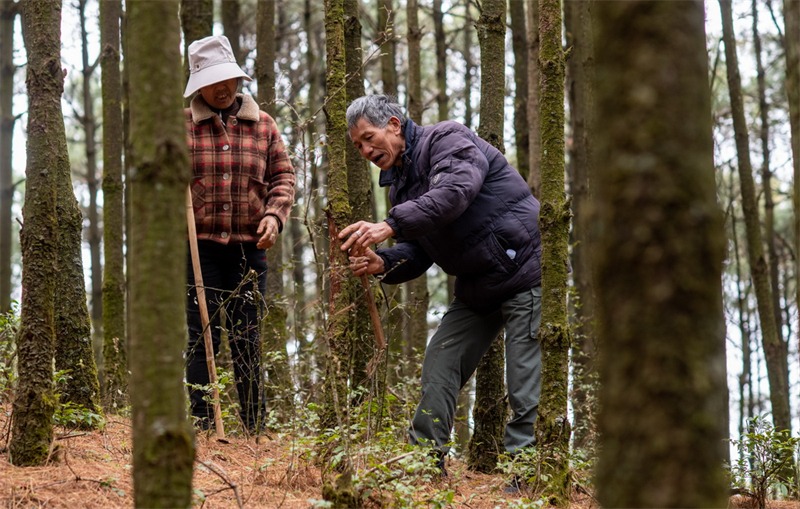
231,485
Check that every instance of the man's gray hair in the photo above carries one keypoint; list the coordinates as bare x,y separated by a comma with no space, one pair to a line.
376,109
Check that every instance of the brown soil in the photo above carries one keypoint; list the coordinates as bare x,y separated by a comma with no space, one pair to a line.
92,470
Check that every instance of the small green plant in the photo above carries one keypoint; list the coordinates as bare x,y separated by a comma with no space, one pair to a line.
73,415
764,456
9,325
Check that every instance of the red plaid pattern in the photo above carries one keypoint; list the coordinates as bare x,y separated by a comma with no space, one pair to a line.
242,171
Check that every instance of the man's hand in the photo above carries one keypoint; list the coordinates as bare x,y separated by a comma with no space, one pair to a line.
368,263
268,229
363,234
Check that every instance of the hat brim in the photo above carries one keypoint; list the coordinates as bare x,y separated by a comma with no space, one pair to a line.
213,74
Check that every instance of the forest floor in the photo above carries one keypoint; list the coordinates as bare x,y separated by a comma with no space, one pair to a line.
92,470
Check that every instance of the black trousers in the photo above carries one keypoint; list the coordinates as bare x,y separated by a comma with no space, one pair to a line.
224,267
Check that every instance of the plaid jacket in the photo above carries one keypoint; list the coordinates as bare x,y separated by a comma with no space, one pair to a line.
242,171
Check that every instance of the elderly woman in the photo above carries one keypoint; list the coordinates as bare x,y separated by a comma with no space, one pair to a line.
457,202
242,192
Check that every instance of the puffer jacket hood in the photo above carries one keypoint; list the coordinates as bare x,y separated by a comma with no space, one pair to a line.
457,202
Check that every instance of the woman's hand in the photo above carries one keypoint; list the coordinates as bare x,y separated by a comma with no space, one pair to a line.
268,229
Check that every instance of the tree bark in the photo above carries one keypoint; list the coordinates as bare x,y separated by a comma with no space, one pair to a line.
441,61
74,345
791,16
32,426
489,389
115,367
387,41
197,21
232,24
519,40
553,428
658,260
163,450
534,124
580,87
774,347
8,11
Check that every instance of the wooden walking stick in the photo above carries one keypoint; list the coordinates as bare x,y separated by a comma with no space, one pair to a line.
201,301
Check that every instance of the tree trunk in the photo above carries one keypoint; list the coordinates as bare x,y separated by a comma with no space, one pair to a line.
441,60
519,39
417,299
534,136
274,326
553,428
489,390
115,366
197,21
163,450
387,41
32,426
469,65
580,87
8,11
340,335
659,260
774,347
791,16
232,25
74,345
766,178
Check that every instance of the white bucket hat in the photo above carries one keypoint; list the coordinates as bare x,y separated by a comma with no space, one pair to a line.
211,60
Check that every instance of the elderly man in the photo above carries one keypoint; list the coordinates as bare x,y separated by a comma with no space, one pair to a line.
456,202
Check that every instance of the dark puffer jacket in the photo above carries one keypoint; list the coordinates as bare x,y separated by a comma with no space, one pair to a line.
457,202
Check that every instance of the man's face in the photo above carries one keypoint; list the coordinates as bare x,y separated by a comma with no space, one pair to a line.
383,146
220,95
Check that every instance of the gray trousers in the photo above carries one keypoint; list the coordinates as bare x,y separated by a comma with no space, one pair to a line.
453,355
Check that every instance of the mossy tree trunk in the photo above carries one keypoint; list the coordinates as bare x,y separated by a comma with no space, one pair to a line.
580,87
534,136
553,428
489,414
163,449
340,328
658,259
8,12
774,346
115,366
32,426
275,325
74,344
359,186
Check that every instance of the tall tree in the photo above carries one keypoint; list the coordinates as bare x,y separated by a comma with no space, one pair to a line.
388,43
232,24
74,345
580,87
342,294
416,291
552,428
47,158
163,449
274,325
489,388
197,21
88,121
8,12
115,366
766,174
441,61
774,347
519,43
791,16
658,260
534,136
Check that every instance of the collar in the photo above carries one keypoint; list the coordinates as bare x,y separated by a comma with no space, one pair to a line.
410,133
202,111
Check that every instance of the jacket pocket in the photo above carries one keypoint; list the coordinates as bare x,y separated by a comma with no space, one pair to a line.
257,199
199,199
503,253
